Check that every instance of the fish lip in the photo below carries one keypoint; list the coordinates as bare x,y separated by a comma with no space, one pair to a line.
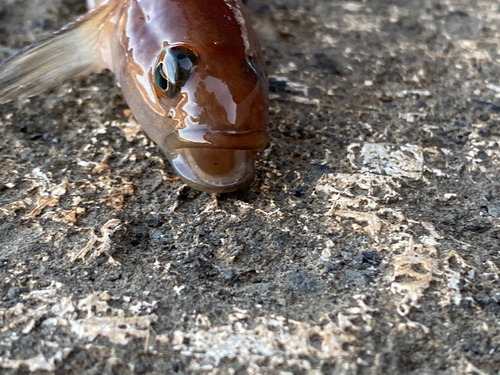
203,137
240,176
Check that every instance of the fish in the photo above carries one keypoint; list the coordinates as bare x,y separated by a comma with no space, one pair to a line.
191,71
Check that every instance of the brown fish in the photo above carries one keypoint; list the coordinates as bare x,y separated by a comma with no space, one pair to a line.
191,71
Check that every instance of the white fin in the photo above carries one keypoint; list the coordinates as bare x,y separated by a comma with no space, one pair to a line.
74,51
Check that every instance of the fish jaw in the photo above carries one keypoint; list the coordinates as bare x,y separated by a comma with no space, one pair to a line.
214,171
214,161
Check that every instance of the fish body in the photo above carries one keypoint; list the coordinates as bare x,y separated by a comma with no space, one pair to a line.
191,71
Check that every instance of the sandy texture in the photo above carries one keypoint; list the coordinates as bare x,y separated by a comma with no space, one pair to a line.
368,243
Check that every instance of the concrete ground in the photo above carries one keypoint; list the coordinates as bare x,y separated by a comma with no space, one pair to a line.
368,243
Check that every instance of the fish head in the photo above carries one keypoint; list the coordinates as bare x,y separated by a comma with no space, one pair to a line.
216,107
194,76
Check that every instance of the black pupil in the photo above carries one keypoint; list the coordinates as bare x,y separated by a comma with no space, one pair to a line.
173,71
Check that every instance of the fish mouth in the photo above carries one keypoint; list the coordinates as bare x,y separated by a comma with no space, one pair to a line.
215,161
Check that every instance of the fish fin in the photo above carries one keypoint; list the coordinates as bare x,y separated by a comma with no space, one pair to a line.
74,51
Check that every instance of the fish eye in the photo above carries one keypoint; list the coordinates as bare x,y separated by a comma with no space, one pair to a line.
175,66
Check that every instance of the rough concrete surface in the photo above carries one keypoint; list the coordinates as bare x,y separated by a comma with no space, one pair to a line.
368,243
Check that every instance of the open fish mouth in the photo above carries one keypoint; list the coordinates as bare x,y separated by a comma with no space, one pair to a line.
217,161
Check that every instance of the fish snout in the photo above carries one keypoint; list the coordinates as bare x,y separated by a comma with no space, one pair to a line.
219,161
